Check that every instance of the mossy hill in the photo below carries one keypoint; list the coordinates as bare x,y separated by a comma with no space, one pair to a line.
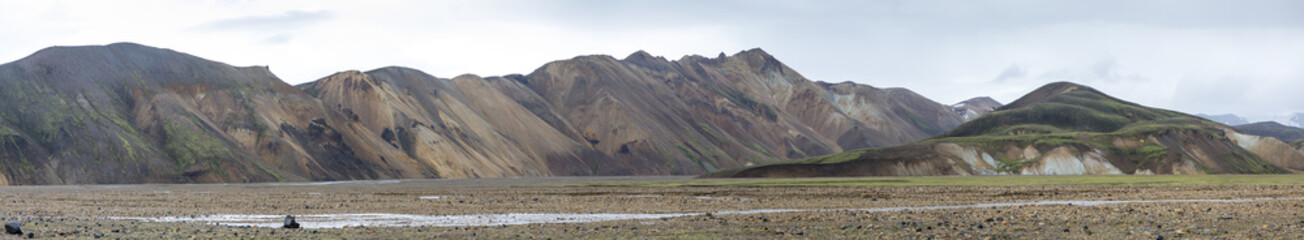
1061,128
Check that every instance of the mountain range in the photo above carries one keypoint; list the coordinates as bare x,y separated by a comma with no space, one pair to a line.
1274,130
129,113
1228,119
1292,120
1061,128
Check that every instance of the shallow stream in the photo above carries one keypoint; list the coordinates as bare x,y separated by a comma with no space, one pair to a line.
407,220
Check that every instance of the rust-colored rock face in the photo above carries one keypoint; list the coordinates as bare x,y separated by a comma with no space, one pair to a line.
700,114
127,113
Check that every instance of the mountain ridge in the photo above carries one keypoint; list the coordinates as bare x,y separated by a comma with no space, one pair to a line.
130,113
1274,130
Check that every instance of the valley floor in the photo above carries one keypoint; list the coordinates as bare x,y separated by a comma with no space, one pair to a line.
1120,207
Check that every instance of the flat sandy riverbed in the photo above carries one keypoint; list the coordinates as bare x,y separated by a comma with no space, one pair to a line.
664,207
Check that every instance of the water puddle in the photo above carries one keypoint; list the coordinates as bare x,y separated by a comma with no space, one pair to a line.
642,196
391,181
407,220
724,198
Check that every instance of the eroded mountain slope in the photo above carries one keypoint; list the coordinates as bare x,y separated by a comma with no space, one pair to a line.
700,114
128,113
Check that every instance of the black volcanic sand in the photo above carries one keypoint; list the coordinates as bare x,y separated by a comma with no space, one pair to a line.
82,211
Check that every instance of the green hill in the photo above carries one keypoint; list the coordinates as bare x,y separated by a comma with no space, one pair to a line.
1061,128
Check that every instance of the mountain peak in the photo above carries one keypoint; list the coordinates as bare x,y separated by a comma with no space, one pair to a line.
1271,123
975,107
128,44
640,54
982,99
1049,91
642,58
754,52
83,51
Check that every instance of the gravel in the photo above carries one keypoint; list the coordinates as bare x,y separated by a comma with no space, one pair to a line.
87,211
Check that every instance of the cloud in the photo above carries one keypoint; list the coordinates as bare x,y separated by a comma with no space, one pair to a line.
1014,72
288,20
1216,95
1105,71
277,39
271,29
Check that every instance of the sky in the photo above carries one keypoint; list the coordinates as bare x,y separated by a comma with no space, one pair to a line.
1244,57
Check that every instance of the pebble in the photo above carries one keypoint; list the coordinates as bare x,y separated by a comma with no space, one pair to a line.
15,228
290,223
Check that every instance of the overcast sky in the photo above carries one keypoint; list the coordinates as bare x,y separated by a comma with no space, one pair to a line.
1242,57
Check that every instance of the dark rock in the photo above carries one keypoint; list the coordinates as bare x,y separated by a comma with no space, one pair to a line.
1225,217
1159,237
15,228
290,223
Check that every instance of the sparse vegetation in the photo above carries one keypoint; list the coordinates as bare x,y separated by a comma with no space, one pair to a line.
919,123
6,131
1013,166
835,158
188,147
741,100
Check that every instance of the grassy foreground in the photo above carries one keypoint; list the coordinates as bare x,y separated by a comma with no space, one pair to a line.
1110,180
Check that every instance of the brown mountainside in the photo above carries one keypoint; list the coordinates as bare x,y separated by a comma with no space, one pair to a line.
128,113
699,114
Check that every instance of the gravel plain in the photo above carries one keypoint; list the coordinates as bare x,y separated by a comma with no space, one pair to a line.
97,211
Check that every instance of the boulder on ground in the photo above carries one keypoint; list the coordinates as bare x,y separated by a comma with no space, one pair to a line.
290,223
14,227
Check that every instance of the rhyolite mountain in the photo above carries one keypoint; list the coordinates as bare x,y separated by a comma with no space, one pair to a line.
1060,128
975,107
128,113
